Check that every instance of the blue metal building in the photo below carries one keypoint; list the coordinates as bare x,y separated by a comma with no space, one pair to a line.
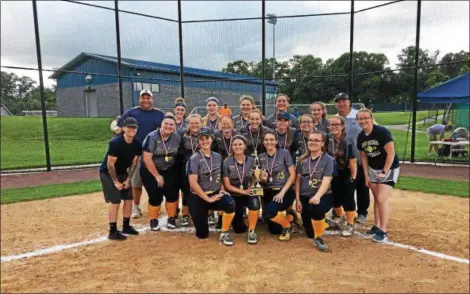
95,92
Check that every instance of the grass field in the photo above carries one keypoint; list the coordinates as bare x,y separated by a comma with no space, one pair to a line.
84,140
441,187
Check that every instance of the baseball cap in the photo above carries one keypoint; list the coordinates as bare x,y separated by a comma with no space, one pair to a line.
130,122
283,114
146,91
341,96
204,132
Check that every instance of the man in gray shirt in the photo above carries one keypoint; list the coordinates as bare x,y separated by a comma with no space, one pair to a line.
343,105
435,130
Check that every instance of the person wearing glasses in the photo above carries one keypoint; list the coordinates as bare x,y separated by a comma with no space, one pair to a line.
314,199
301,138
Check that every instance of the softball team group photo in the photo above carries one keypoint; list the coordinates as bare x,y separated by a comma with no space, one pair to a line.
309,171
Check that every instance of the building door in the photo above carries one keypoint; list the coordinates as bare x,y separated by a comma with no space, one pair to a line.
91,104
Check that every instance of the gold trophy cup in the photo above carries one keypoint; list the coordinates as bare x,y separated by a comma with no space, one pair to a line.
257,190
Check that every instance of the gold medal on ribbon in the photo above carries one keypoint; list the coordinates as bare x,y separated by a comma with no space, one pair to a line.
241,187
167,158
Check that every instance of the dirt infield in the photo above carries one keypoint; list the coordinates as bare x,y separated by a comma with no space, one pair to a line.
79,175
178,262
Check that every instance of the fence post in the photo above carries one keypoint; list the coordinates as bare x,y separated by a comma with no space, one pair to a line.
263,53
351,50
180,32
41,87
415,90
118,45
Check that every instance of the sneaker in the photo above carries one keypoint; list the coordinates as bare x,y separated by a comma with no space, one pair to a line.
211,220
380,236
348,230
361,219
225,239
285,235
219,223
185,221
372,231
331,224
154,225
129,230
171,223
320,244
136,212
116,235
339,220
252,237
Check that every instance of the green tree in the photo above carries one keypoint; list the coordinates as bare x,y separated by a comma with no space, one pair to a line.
453,70
436,77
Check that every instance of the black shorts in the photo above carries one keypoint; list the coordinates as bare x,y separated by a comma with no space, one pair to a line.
111,193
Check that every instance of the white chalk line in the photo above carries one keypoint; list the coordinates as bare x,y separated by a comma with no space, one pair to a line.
163,228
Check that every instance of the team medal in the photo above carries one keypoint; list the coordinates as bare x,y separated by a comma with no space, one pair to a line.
210,178
270,170
312,172
241,187
165,147
242,176
209,167
166,158
310,182
270,179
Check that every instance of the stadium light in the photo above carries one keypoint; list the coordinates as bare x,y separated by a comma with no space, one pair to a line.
272,19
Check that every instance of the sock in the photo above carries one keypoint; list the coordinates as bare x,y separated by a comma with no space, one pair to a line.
252,219
281,219
171,208
350,215
339,211
227,219
318,227
126,221
154,211
113,227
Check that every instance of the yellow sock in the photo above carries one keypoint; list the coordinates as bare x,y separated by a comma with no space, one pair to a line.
154,211
281,219
252,219
339,211
350,215
227,221
171,208
318,227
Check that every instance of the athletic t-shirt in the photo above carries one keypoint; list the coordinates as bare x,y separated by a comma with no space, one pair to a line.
180,126
277,167
125,153
239,122
154,144
301,142
271,121
222,145
230,167
373,145
148,120
286,140
189,145
209,179
342,151
254,140
323,126
309,185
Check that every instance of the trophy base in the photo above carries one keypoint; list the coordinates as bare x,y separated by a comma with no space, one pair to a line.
257,192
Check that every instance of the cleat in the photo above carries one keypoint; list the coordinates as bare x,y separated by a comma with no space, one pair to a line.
348,230
171,223
339,220
320,244
331,225
372,231
286,234
136,212
361,219
252,237
380,237
225,239
116,236
211,220
185,221
129,230
154,225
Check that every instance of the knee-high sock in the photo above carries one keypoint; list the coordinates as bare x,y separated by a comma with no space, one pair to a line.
281,219
318,227
154,211
339,211
227,219
350,215
252,219
171,208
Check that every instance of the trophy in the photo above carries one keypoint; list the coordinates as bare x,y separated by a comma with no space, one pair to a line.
257,190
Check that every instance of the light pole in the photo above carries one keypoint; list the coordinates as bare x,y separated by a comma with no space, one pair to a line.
272,19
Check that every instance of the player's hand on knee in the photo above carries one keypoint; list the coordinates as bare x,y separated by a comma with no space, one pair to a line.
298,206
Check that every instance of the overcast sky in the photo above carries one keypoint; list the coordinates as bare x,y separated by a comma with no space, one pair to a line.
66,29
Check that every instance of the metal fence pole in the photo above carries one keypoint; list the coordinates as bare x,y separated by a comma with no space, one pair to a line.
351,50
180,32
41,87
263,53
415,90
118,45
